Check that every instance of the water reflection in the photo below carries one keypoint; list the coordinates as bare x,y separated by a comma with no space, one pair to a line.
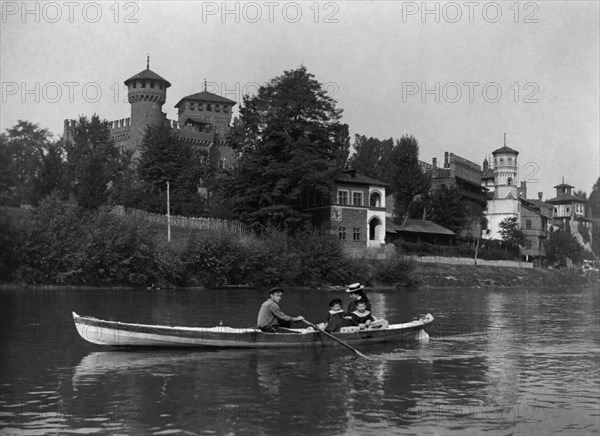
509,361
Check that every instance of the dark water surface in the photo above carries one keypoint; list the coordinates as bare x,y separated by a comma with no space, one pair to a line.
519,361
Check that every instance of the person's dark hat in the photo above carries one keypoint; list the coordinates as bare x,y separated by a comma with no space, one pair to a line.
274,290
355,287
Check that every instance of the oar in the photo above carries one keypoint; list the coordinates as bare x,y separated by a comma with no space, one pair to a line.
339,341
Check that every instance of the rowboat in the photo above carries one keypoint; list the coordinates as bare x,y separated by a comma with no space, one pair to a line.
116,333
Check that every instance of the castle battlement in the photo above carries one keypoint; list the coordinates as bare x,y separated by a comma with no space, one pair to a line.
204,118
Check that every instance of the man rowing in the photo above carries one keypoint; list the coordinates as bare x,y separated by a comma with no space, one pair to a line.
270,317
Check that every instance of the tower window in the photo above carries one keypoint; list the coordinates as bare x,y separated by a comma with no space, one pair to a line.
208,107
225,108
510,160
528,224
501,160
192,107
159,85
509,181
143,84
200,107
217,108
152,84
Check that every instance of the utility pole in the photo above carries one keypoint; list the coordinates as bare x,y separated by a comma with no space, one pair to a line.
168,215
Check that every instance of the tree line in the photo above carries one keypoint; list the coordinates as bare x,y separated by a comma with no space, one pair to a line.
290,139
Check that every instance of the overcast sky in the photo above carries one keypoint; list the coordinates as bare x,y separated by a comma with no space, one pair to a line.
457,76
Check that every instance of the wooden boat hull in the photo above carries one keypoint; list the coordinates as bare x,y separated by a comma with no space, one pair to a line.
116,333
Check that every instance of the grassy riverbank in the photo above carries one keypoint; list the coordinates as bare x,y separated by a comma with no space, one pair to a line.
438,275
60,244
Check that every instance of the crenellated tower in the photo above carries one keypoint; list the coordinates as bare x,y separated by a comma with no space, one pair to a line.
147,92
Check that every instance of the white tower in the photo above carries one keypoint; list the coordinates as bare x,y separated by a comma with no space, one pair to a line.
505,171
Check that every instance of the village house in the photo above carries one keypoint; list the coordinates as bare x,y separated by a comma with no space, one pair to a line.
569,210
355,212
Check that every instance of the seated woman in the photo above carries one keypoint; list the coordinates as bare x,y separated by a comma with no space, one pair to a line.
335,317
361,317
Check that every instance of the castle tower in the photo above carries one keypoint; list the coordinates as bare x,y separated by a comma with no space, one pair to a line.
505,171
146,92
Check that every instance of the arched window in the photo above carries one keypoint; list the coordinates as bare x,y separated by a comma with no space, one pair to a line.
374,228
375,199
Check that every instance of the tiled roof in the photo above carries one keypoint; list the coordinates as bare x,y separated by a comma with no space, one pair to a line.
417,226
352,176
564,185
207,96
505,149
148,75
566,198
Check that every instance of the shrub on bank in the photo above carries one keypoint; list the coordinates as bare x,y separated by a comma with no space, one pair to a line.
61,243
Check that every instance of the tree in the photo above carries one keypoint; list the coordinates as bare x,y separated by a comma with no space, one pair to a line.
164,158
511,233
408,181
92,162
21,152
291,141
562,245
593,212
52,173
446,207
373,157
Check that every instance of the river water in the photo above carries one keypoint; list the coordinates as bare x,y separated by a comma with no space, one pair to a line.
518,361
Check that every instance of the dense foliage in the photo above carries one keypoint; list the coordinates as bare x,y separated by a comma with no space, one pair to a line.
561,246
594,213
446,207
291,141
92,162
165,158
23,151
511,232
62,243
372,157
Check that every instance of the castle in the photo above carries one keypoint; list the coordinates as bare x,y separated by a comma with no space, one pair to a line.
203,118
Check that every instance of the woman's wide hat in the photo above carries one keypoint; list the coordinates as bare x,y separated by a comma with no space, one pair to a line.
355,287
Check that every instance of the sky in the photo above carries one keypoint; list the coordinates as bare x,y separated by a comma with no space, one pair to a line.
455,75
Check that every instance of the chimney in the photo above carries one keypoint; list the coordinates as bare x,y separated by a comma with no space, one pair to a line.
434,162
446,163
540,195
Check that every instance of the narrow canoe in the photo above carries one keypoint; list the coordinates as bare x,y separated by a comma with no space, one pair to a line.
116,333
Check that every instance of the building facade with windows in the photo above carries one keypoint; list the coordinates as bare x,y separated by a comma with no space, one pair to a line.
569,210
203,118
354,212
466,176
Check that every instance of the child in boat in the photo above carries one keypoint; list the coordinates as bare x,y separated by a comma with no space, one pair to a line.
361,317
335,316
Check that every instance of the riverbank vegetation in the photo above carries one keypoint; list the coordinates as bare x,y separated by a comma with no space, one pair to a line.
62,243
